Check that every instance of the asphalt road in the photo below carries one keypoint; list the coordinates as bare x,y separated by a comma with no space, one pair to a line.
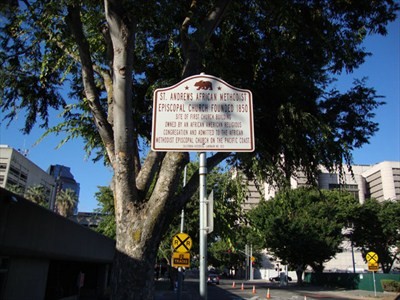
261,290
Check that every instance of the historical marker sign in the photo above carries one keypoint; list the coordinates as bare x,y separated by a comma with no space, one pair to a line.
202,113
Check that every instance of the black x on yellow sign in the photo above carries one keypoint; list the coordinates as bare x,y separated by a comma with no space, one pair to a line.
181,243
372,257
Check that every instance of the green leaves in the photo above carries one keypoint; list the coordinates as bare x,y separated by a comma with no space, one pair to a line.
66,201
285,53
297,222
376,228
106,209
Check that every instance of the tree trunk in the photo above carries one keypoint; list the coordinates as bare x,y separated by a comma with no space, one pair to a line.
299,273
141,217
133,278
141,224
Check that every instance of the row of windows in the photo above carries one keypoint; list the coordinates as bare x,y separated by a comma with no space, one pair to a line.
347,187
19,174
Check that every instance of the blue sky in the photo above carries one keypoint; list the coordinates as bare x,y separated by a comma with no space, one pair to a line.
382,70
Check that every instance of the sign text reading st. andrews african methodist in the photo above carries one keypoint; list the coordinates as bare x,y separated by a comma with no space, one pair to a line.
203,113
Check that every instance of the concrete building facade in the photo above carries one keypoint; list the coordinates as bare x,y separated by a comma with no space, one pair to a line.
17,170
380,181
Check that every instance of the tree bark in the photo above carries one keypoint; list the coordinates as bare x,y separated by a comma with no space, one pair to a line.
142,215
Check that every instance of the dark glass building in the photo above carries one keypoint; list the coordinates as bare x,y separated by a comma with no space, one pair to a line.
64,180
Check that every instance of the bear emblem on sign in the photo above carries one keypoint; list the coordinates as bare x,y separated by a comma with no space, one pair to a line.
203,85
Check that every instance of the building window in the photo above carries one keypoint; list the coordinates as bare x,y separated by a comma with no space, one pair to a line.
24,176
14,171
351,188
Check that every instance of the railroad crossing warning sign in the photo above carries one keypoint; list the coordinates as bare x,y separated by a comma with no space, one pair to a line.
372,257
373,266
181,259
181,243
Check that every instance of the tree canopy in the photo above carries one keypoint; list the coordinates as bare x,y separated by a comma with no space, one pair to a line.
375,227
97,63
66,201
106,210
38,194
303,227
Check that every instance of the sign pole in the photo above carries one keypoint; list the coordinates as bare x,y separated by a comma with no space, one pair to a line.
183,211
251,262
373,276
203,225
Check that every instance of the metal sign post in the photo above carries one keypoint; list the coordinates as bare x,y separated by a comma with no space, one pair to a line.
203,113
203,225
372,259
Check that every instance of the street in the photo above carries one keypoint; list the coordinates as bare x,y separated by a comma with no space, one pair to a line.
260,289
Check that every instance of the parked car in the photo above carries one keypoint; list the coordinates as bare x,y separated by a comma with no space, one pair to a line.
278,278
212,278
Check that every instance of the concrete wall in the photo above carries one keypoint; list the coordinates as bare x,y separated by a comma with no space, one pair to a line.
26,277
29,229
33,238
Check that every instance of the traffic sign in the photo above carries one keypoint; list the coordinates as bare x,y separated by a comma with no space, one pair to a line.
372,257
373,266
181,243
181,259
202,113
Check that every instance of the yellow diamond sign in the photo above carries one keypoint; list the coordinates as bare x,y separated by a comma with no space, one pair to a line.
372,257
181,243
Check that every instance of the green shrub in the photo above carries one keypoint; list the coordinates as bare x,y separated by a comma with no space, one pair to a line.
390,285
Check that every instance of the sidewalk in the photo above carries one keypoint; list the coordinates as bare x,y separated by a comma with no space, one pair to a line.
190,291
358,295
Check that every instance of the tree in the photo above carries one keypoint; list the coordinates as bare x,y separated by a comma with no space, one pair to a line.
110,56
106,201
229,216
303,227
65,202
375,227
16,189
227,212
38,195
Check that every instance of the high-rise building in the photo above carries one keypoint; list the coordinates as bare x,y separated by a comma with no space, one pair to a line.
64,180
380,181
17,171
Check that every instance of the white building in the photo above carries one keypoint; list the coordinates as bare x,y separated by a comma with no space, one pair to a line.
380,181
16,169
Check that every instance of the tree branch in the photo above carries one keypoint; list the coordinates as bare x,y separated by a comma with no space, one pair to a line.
193,183
192,47
105,130
148,170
